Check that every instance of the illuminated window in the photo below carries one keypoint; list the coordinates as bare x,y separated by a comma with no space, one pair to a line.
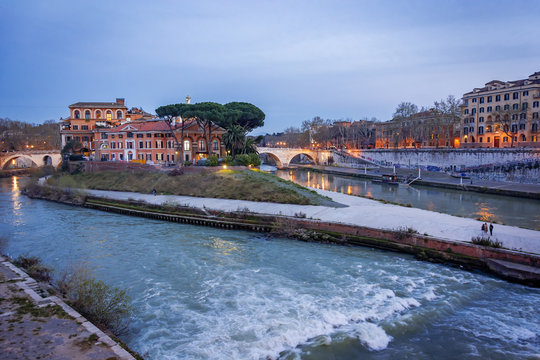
109,115
98,114
187,145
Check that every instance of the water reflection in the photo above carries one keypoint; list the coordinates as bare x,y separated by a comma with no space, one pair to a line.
490,208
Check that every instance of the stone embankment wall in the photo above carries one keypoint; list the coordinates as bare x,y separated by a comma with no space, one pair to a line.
454,159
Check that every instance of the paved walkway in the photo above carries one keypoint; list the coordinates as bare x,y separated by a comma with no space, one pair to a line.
435,177
359,211
37,327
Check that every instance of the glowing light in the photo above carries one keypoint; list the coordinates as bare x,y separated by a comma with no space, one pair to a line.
224,166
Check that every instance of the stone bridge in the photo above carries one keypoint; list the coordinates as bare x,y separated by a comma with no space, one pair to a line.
36,158
283,156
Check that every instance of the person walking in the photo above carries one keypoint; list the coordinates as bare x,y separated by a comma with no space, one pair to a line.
484,228
154,192
491,229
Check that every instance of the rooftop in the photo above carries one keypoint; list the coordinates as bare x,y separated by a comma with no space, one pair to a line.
98,105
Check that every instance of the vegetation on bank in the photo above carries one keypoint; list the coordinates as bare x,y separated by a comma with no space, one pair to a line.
249,185
106,306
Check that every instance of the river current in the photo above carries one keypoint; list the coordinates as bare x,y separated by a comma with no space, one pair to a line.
206,293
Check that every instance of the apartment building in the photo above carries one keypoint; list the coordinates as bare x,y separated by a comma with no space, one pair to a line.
502,114
152,142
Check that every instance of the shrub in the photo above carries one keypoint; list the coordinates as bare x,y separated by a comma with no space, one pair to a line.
188,163
242,159
486,241
33,267
227,160
109,306
212,160
254,159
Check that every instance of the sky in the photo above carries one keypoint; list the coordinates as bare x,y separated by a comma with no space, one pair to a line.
293,59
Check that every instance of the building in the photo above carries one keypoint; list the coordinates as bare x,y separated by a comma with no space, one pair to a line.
88,120
502,114
152,142
425,129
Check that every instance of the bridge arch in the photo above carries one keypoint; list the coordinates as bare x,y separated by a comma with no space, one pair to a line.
297,156
12,158
273,156
47,160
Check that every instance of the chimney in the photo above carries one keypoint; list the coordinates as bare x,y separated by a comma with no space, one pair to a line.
120,101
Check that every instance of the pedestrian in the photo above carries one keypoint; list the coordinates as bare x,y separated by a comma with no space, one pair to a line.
484,227
490,229
154,192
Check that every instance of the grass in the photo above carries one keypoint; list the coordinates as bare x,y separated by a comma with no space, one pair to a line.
486,241
223,184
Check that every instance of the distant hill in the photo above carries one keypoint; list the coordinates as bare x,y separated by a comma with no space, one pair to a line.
18,135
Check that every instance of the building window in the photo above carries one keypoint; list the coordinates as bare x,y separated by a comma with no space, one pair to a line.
139,136
534,127
120,136
141,144
84,127
481,139
481,100
525,105
187,145
98,114
75,127
506,96
526,93
498,108
515,95
119,114
481,109
498,98
77,114
473,111
104,136
121,157
113,156
514,128
481,119
148,144
474,100
465,130
522,126
535,115
87,114
129,134
489,109
113,145
149,135
515,106
202,145
489,98
130,145
215,145
466,111
480,130
506,107
536,104
130,156
85,138
148,157
505,139
109,115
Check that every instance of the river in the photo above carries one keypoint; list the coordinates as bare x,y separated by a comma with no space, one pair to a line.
206,293
487,207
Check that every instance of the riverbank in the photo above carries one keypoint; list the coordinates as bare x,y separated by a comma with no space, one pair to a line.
438,179
36,325
433,236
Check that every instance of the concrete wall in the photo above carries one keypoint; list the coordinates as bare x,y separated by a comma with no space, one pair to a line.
446,158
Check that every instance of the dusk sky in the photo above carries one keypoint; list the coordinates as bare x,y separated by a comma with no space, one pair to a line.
293,59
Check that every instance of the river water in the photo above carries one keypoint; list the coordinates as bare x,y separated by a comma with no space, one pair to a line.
206,293
488,207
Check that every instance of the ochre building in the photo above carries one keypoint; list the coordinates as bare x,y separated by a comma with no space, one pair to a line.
502,114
